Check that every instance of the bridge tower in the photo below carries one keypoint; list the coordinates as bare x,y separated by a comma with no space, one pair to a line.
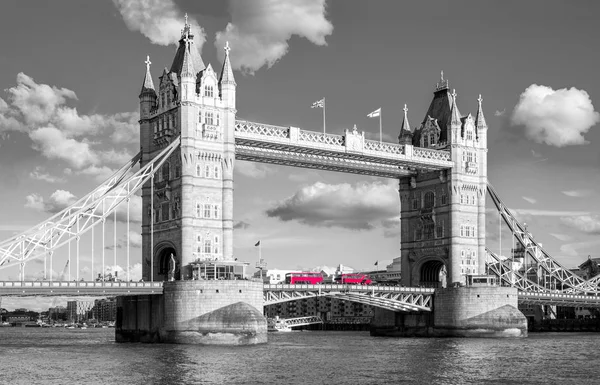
443,212
188,206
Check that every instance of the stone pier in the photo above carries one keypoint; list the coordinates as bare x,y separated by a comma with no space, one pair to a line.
484,311
195,312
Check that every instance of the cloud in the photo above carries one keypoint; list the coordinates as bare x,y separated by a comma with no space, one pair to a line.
253,170
500,113
547,213
135,271
259,30
58,201
578,193
161,21
571,249
557,118
562,237
530,200
241,225
589,224
359,207
135,241
39,174
59,132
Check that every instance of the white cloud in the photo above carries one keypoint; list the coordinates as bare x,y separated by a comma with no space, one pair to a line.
39,174
558,118
500,113
530,200
586,223
135,241
562,237
359,207
578,193
37,103
572,249
100,173
135,271
253,170
53,144
59,200
259,30
161,21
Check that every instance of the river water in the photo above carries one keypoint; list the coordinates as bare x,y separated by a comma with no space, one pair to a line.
67,356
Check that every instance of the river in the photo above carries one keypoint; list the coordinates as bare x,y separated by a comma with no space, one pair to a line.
67,356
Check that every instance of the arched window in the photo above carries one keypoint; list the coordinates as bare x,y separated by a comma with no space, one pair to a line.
207,171
198,210
208,91
469,135
207,210
209,118
432,138
425,140
428,230
428,200
440,229
207,246
216,172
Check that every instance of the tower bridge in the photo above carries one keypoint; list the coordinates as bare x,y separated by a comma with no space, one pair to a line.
190,138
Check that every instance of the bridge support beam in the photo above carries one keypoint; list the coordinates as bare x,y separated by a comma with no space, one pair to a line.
195,312
487,311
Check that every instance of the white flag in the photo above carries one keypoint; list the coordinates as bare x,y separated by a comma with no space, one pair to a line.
375,114
318,104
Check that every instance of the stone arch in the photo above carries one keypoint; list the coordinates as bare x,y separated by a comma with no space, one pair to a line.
426,272
162,256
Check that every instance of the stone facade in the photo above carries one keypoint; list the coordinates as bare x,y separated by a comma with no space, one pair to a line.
188,205
443,212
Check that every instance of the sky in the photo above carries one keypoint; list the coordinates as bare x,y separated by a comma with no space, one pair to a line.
72,72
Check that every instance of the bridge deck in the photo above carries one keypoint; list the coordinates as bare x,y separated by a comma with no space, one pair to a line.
350,153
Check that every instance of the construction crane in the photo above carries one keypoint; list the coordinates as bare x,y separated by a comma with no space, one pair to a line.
60,277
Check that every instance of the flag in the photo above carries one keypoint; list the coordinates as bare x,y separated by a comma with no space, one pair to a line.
257,243
376,263
375,114
319,104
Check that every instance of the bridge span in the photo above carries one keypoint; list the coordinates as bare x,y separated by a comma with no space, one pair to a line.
399,299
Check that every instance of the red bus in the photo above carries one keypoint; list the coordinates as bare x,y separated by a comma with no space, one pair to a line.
355,279
306,277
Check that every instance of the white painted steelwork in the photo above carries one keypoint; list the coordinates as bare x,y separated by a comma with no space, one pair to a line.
555,276
349,153
77,288
83,215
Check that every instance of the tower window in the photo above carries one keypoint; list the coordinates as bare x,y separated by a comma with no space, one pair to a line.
216,247
218,117
198,210
216,211
209,118
428,230
207,246
206,171
440,229
207,211
217,172
429,200
432,138
198,170
208,91
444,199
165,211
469,135
425,140
165,172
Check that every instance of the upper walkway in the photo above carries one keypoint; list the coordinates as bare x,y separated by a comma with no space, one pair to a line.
350,152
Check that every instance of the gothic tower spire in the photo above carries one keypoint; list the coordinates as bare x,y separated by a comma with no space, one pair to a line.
226,71
148,84
406,134
480,119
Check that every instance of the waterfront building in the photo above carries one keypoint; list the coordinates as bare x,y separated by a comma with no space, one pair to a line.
57,313
105,310
79,310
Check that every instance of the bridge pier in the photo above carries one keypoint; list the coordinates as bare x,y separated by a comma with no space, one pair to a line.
195,312
485,311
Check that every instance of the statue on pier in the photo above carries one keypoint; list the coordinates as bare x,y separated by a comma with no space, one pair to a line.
172,268
443,277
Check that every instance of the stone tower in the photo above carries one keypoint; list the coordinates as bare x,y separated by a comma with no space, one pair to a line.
188,206
443,212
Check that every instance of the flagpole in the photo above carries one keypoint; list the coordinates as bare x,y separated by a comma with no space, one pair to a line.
380,131
260,258
323,114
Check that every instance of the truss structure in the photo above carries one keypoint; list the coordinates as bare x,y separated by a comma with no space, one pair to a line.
398,299
83,215
301,321
349,153
550,275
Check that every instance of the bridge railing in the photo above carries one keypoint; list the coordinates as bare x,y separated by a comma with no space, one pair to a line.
347,287
78,284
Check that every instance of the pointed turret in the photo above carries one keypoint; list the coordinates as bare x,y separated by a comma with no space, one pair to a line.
226,81
148,84
406,134
455,118
187,65
226,71
184,47
479,118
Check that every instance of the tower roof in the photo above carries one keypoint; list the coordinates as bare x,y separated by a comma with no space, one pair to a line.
187,64
405,128
226,71
148,84
479,118
455,117
185,47
440,108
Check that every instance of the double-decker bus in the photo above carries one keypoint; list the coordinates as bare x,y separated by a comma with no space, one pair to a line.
354,279
305,277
